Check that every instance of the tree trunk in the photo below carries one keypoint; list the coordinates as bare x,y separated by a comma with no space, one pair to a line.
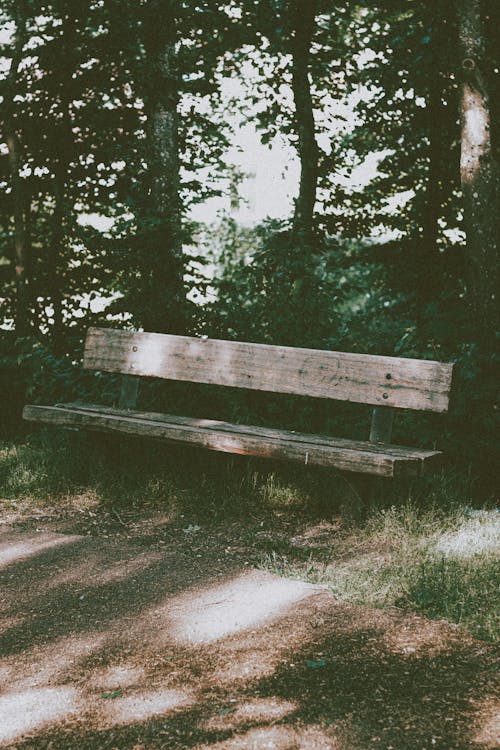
165,311
55,249
479,176
428,280
21,242
303,15
63,205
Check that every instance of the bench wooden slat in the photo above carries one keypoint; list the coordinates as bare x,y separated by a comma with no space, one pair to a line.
363,378
255,441
401,451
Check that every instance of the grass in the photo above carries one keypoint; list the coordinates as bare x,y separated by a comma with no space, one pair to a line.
459,589
425,548
443,562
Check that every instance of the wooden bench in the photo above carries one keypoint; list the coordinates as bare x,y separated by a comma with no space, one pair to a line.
386,383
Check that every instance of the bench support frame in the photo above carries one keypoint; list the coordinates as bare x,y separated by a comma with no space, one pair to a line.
129,392
382,424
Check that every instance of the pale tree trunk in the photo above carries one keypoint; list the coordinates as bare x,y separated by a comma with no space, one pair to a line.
21,240
303,19
479,176
166,287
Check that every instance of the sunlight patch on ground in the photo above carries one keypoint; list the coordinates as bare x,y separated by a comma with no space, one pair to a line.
97,572
12,551
118,676
143,706
478,535
247,664
277,738
51,662
32,709
247,601
417,636
8,623
260,710
488,735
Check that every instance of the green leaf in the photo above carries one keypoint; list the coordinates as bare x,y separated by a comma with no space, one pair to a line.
316,664
113,694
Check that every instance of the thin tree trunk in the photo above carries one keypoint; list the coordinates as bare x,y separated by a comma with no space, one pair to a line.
34,310
479,176
303,14
166,309
62,203
54,259
428,280
21,242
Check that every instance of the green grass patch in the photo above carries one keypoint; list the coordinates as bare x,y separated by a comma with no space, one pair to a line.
442,562
461,590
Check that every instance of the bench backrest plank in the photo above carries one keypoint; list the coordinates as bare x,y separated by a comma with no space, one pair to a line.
363,378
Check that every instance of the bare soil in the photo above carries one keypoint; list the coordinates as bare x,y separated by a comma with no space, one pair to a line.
143,632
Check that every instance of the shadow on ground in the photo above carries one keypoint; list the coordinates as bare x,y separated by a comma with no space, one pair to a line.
112,643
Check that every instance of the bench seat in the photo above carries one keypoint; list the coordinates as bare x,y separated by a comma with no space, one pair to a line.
338,453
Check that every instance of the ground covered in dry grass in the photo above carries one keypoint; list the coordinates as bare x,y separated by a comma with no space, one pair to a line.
144,605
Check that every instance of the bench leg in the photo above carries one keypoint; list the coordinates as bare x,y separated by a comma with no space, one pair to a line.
369,492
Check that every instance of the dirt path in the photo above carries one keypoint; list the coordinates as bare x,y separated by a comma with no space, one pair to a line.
129,640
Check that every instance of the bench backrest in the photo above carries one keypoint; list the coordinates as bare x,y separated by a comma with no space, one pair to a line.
364,378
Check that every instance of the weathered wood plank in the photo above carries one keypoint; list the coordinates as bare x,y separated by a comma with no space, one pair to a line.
264,442
400,451
363,378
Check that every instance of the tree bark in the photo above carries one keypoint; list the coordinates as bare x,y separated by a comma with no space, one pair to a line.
55,250
479,176
303,15
21,241
64,147
428,279
165,311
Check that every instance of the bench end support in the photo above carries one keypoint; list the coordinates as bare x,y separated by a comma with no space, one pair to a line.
382,424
